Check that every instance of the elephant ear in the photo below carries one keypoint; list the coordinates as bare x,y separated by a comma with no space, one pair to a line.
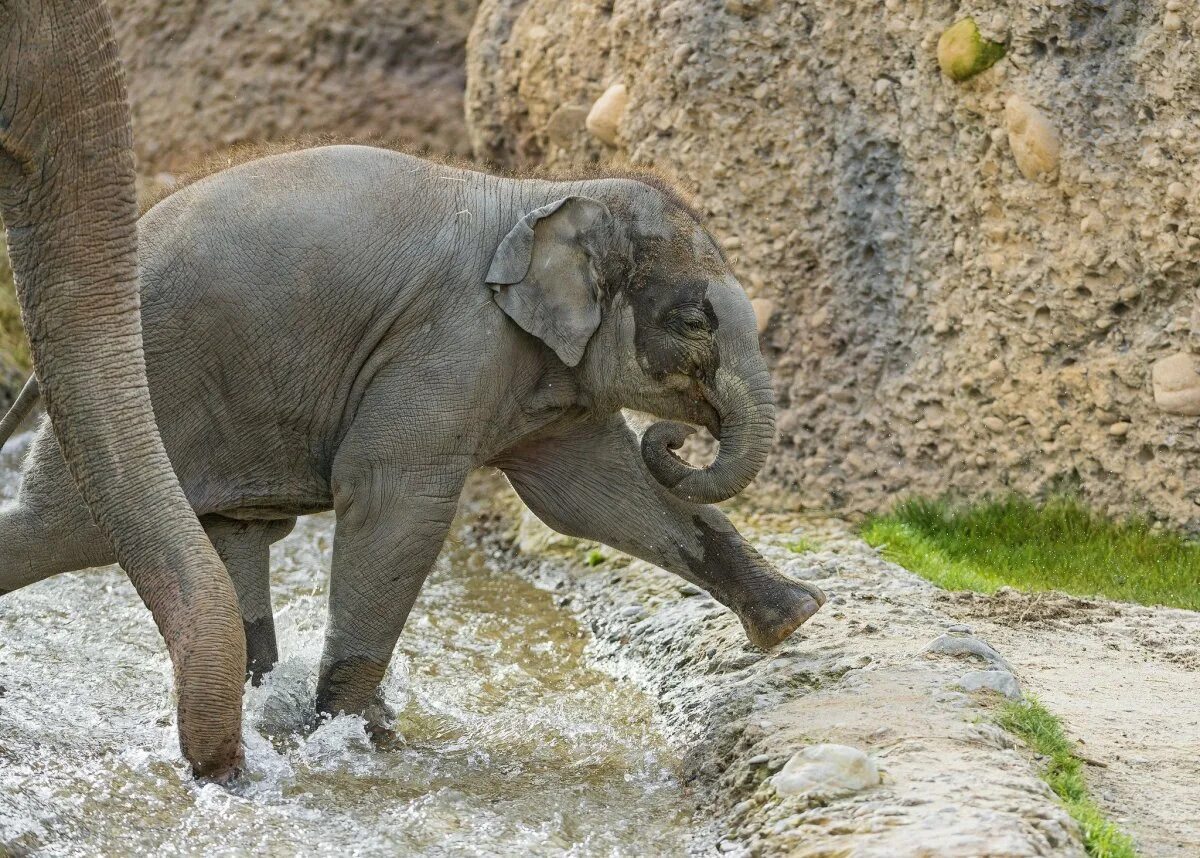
544,273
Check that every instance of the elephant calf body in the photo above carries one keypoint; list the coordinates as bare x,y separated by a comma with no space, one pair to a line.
357,329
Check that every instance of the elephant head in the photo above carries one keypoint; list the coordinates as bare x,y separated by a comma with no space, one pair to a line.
68,203
622,282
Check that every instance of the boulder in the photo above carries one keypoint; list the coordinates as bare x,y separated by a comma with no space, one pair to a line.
823,772
998,681
962,646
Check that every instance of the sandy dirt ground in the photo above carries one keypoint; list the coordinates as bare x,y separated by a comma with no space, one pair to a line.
1124,679
862,674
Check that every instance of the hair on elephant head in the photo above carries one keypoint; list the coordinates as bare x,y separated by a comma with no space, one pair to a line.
629,287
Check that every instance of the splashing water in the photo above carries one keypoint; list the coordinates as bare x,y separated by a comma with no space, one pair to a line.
511,744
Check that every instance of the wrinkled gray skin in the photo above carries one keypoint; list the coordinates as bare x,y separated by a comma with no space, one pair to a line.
68,203
354,328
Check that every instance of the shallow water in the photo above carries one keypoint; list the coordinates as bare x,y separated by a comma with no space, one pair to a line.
511,745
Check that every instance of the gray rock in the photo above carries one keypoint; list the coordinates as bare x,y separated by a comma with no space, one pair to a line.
959,646
1177,384
826,771
604,119
999,681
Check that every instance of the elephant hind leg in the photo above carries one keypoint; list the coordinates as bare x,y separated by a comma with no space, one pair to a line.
48,529
245,549
34,547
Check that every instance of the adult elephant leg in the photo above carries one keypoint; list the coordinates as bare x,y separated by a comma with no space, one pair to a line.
245,549
48,529
67,200
591,483
391,523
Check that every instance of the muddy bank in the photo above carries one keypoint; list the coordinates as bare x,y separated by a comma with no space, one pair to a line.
857,675
1123,679
885,668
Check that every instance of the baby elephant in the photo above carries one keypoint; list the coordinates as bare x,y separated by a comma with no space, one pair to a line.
357,329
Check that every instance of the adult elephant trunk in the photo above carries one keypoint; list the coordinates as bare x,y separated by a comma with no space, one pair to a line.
745,403
68,202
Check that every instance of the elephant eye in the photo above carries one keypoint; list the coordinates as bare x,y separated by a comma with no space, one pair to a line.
689,320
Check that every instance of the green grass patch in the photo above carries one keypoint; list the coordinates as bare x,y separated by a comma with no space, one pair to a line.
593,557
1063,771
1061,545
799,546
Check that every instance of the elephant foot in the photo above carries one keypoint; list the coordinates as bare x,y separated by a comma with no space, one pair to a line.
771,619
381,723
379,716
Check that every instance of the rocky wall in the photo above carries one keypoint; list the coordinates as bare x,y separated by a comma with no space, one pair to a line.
14,349
972,283
207,76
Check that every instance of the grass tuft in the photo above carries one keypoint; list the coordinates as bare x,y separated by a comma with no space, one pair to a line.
1063,771
799,546
1061,545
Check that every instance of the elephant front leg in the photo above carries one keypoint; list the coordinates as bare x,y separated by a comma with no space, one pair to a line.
391,525
591,483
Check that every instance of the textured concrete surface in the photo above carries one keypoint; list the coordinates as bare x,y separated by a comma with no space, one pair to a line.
207,76
967,297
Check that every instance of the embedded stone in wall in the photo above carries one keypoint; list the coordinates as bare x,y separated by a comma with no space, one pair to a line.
604,119
1032,138
963,53
565,124
1177,385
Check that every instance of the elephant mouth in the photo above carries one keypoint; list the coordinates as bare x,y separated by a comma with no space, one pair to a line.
710,419
740,414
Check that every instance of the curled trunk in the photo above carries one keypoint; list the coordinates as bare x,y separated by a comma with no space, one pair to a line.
746,406
67,199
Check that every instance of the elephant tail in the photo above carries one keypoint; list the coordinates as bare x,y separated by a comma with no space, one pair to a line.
24,403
